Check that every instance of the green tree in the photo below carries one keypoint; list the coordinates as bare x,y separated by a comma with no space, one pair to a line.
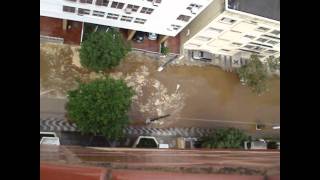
254,74
225,138
103,50
273,63
100,107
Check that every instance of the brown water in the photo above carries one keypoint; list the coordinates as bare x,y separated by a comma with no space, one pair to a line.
210,96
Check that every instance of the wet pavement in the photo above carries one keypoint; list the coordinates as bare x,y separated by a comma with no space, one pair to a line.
207,96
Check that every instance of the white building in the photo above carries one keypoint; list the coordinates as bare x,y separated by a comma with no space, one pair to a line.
164,17
236,28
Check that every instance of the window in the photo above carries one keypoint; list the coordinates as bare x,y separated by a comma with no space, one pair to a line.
225,50
175,27
235,31
102,3
140,21
249,36
98,13
203,38
71,0
192,44
184,18
112,16
69,9
193,5
194,8
270,51
86,1
236,44
263,29
211,29
249,46
83,11
133,7
126,18
227,20
146,10
262,39
157,1
260,44
117,5
273,42
275,32
258,48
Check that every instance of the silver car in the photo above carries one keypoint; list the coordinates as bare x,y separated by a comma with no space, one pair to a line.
201,55
152,36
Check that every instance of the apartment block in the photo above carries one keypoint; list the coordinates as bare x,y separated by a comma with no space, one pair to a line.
164,17
235,28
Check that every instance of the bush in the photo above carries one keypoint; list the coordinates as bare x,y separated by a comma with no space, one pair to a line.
225,138
165,50
103,50
254,74
100,107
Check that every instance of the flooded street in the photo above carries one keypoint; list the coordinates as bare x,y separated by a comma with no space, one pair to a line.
206,96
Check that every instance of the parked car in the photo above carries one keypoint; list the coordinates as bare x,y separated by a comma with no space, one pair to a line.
201,55
47,134
255,145
49,138
148,142
139,37
152,36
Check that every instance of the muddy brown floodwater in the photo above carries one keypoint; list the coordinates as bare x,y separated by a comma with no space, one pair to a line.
207,97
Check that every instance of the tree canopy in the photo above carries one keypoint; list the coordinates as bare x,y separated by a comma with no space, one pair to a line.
103,50
100,107
254,74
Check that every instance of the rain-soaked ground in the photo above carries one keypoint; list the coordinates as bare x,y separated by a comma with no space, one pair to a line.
193,96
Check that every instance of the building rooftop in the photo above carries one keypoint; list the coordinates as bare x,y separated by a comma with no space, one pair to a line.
265,8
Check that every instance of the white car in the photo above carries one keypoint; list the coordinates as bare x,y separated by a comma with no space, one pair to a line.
152,36
49,138
149,141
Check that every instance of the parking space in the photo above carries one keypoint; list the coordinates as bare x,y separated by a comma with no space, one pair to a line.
152,45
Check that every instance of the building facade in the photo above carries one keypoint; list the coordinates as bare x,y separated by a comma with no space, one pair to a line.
164,17
236,28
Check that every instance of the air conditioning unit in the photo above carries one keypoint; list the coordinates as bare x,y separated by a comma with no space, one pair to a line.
128,10
156,2
194,10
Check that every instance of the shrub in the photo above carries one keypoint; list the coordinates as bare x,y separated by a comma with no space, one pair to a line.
225,138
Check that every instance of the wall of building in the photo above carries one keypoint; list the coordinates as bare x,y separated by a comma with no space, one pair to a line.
231,38
215,8
160,21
